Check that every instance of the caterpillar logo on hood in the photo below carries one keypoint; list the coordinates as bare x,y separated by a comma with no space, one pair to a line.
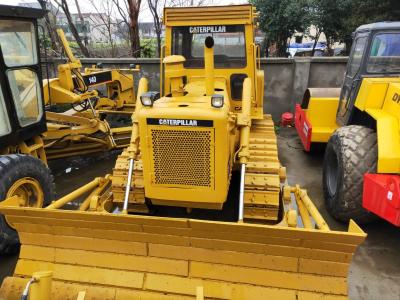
177,122
207,29
180,122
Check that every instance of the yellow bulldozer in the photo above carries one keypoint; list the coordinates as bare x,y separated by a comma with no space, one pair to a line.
197,206
360,124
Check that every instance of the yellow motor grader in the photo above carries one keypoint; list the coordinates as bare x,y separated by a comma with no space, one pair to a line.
84,128
203,145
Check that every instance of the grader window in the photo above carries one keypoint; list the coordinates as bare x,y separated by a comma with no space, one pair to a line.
18,43
356,59
25,88
229,45
5,127
385,53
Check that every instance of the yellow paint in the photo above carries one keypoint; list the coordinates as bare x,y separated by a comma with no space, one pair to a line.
387,128
372,93
27,188
379,98
321,113
40,289
153,256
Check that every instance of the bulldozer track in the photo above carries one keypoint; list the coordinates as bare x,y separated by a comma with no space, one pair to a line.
264,173
120,173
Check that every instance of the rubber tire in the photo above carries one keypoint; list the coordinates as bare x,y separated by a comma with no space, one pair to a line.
12,168
355,150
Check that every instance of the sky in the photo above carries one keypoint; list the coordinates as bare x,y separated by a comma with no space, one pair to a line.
144,16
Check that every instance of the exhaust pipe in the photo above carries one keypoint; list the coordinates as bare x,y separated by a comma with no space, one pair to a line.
209,65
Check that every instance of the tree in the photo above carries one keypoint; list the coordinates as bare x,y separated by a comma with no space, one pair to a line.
280,19
64,6
78,8
367,11
129,12
156,10
123,28
328,16
105,12
184,3
133,12
50,25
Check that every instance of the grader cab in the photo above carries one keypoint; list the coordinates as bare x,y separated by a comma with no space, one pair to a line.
202,144
359,123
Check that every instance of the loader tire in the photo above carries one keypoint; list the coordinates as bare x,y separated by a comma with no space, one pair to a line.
350,153
13,168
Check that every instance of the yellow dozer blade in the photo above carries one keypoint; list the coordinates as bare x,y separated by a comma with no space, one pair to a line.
96,255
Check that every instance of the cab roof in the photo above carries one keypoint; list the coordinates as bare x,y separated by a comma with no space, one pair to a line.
21,12
379,26
209,15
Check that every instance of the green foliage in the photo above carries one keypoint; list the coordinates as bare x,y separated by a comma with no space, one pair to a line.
148,47
44,41
280,19
329,17
367,11
336,18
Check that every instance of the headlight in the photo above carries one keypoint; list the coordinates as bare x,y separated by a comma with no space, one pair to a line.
217,100
148,98
146,101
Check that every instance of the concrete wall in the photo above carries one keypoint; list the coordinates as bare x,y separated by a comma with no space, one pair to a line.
285,79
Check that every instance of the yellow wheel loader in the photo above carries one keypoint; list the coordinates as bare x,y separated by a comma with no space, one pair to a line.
360,124
202,144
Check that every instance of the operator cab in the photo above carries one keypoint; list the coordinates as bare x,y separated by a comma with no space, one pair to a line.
229,50
375,53
235,52
21,97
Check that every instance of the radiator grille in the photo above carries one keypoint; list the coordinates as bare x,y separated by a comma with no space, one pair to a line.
182,157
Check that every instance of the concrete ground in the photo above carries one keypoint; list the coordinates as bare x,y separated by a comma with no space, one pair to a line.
375,270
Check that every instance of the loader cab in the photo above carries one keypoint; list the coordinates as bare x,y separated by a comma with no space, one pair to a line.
375,53
22,114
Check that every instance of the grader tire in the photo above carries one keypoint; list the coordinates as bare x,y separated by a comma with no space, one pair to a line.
13,168
350,153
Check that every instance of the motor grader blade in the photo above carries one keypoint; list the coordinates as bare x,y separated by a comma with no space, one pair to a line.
117,256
